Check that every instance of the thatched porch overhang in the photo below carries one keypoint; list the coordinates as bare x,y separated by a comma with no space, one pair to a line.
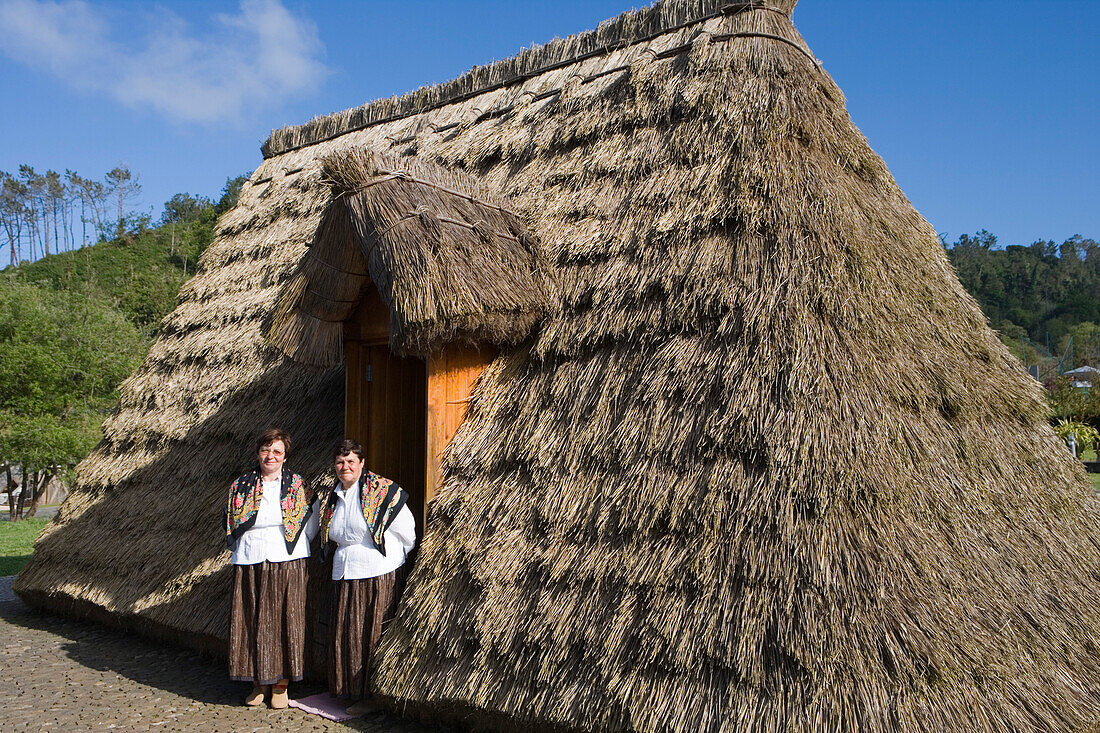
450,259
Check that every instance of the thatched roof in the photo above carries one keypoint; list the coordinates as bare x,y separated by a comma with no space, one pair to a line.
762,466
448,257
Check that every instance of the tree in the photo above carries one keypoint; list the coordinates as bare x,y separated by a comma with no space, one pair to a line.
62,356
93,200
982,240
56,201
1082,344
183,208
35,185
123,188
13,213
1068,402
231,191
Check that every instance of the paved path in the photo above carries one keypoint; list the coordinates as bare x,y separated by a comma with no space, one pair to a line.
44,512
62,675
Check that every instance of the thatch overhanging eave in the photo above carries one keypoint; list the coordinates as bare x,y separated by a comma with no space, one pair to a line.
448,257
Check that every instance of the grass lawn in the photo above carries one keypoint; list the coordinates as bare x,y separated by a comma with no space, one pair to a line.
1095,478
16,541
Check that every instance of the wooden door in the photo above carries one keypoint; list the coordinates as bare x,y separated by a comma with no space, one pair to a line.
385,406
452,372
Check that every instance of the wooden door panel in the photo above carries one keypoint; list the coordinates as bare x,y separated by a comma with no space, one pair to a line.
386,414
353,391
452,372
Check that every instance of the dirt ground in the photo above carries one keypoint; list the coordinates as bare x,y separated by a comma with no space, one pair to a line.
57,674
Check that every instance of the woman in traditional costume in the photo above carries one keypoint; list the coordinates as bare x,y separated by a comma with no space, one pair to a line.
269,525
368,530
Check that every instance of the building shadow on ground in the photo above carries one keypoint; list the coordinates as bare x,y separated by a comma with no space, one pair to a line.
129,564
182,672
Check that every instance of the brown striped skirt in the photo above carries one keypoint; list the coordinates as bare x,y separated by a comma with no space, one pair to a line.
267,622
360,608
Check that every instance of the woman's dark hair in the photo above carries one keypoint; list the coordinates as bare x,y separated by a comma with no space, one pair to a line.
345,447
269,436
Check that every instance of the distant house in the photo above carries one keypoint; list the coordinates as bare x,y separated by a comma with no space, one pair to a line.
1083,377
54,493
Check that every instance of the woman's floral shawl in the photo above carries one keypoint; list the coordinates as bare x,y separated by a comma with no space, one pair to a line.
244,500
381,500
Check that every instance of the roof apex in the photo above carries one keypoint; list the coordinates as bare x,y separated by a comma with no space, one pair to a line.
633,26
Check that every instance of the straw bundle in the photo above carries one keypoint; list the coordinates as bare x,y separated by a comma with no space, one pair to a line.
766,467
447,256
309,320
763,465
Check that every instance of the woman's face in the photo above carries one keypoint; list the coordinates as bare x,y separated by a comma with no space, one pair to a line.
348,469
271,458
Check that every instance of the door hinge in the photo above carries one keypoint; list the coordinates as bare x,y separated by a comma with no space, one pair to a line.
370,372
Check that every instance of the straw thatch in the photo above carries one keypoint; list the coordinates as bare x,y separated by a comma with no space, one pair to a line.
447,256
763,465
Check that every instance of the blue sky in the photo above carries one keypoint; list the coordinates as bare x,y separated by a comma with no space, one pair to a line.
986,111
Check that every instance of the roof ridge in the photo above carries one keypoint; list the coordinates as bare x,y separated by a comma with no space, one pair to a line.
629,28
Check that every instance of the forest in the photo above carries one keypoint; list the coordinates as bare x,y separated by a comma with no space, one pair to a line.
89,280
1043,299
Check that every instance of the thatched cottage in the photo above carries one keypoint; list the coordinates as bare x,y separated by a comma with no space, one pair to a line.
728,447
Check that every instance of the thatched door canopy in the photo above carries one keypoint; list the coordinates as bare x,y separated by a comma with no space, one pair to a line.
449,258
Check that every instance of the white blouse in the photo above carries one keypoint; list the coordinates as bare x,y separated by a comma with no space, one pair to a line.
265,540
356,557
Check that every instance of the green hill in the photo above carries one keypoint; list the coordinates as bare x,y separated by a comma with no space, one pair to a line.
140,272
1041,298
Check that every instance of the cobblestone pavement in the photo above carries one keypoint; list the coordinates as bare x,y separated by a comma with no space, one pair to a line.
58,674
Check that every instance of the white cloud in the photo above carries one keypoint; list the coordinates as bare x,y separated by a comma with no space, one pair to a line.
254,59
